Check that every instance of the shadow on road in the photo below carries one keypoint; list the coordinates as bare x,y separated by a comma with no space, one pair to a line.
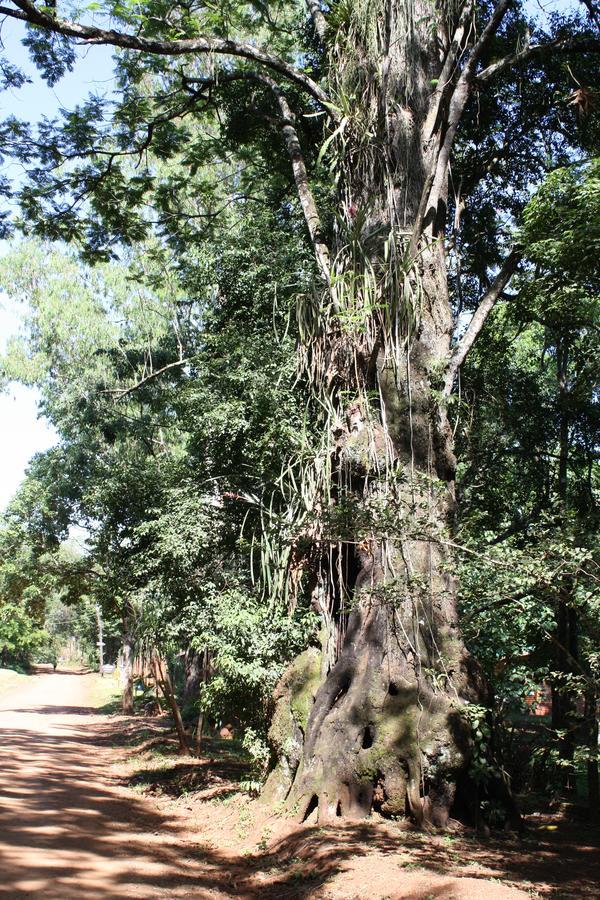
68,829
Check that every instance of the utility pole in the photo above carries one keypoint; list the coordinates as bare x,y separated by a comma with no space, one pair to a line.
100,639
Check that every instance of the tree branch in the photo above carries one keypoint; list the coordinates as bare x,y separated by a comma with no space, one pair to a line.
319,20
461,93
434,183
305,195
487,34
560,45
479,318
494,604
448,70
27,12
119,394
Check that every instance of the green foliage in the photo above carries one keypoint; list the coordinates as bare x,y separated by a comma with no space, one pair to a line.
159,476
21,637
530,486
53,54
561,230
250,646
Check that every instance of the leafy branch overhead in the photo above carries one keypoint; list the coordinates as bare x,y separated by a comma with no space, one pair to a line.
156,122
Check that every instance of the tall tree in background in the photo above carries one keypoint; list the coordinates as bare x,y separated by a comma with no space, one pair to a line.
369,534
529,481
155,474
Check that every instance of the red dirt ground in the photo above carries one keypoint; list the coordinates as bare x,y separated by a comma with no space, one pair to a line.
70,828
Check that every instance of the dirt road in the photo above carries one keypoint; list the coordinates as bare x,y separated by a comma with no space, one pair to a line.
66,828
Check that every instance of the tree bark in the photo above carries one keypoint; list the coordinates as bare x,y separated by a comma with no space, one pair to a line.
192,678
387,728
204,675
127,700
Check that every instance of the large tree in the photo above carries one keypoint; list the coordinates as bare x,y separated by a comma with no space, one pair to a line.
383,88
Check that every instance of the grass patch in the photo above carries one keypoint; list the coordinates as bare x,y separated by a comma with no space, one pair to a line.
105,694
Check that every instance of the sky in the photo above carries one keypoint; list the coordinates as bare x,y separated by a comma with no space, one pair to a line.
23,431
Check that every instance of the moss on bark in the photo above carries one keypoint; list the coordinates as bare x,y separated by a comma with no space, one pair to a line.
294,697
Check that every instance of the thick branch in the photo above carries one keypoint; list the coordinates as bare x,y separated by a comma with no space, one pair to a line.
487,34
479,318
307,201
434,184
462,90
436,179
563,45
319,20
28,12
305,195
448,70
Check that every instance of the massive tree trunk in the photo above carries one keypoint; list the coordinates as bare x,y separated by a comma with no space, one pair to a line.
387,728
